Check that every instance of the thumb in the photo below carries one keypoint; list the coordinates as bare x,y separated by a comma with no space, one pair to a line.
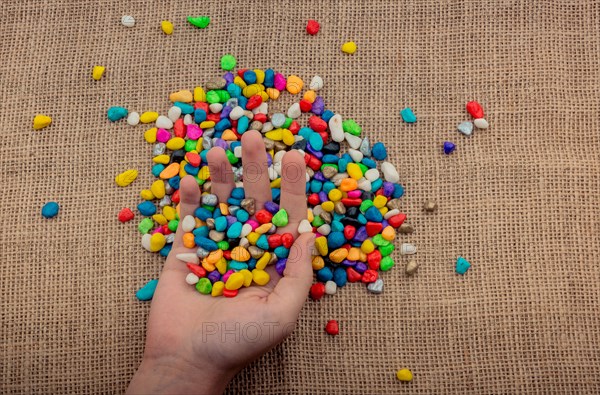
291,291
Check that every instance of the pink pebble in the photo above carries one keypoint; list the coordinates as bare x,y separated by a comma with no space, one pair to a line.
317,234
158,230
254,224
354,194
163,136
226,275
193,131
280,82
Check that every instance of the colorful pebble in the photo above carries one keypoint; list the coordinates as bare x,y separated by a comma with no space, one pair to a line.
462,265
408,115
449,147
332,328
312,27
128,21
349,47
199,21
167,27
41,121
404,375
50,210
98,72
147,291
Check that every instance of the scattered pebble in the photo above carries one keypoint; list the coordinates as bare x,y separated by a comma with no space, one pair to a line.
126,178
312,27
430,206
133,118
332,328
98,72
475,109
376,287
408,249
116,113
408,115
481,123
50,210
449,147
349,47
128,21
41,121
462,265
228,62
199,21
411,267
167,27
330,287
404,375
466,128
147,291
125,215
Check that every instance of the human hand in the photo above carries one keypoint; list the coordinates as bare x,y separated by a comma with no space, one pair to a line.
197,343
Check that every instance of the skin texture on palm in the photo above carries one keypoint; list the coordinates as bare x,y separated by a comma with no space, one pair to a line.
196,343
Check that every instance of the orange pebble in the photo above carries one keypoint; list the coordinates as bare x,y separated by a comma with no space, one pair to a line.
214,256
188,240
310,96
348,184
388,233
171,171
338,255
354,254
209,267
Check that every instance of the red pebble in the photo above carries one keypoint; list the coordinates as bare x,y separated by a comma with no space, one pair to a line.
263,216
165,229
314,200
179,128
397,220
201,105
317,124
125,215
373,228
287,239
175,197
230,293
305,105
260,117
312,162
312,27
349,232
332,327
374,259
227,254
294,127
324,136
241,72
193,159
274,240
317,290
369,276
349,202
254,102
353,275
475,109
214,117
197,270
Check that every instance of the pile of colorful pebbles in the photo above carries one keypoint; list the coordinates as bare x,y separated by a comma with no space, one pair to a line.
354,206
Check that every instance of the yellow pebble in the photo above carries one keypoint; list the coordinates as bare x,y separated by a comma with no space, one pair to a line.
184,96
328,206
169,213
379,201
146,194
252,90
276,183
214,256
404,375
150,135
294,84
309,215
199,95
260,277
235,281
217,289
335,195
321,245
354,171
167,27
318,263
157,242
310,96
349,47
97,72
354,254
209,267
182,172
160,219
264,228
126,178
199,222
204,173
158,189
388,233
240,254
206,125
162,159
148,116
221,265
239,81
367,246
224,208
40,121
288,137
260,76
264,95
273,93
253,237
247,277
338,255
171,171
175,143
362,256
263,261
384,210
275,134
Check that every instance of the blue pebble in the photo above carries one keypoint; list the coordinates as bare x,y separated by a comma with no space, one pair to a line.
234,90
335,240
242,215
252,264
191,170
269,78
316,141
220,224
203,154
378,151
337,226
375,185
222,125
165,250
462,265
408,115
202,231
362,219
185,108
262,242
234,201
328,186
340,278
206,243
449,147
157,169
398,191
174,182
315,186
324,274
275,194
330,158
249,77
234,144
343,164
370,163
116,113
146,208
373,214
147,291
243,124
236,265
199,115
235,230
327,115
238,193
281,252
203,213
50,210
242,101
305,133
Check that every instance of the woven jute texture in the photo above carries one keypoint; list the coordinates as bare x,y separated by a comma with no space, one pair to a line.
520,200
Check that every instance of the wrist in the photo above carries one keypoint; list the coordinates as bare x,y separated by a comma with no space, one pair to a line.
169,375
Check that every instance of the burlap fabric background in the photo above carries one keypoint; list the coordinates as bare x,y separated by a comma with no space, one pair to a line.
521,200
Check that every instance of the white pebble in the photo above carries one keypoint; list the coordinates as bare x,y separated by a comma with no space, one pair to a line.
170,238
316,83
481,123
273,175
364,184
237,151
356,155
133,118
330,287
389,172
303,227
324,229
164,122
277,167
188,223
294,111
391,213
236,113
317,210
353,141
279,156
262,109
192,279
372,174
188,257
465,128
146,241
128,21
408,249
266,127
246,229
244,242
174,113
335,126
215,107
187,120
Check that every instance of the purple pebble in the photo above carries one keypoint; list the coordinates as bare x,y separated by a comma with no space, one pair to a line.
360,267
269,159
361,234
346,262
384,223
318,106
271,207
220,143
231,220
388,189
280,266
320,177
229,78
214,276
226,111
323,196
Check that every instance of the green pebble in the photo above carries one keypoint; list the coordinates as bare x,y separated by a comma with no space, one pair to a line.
386,264
280,219
223,245
145,225
228,62
350,126
231,157
379,241
287,123
199,181
173,224
217,96
329,165
190,145
364,206
318,221
199,21
209,208
386,249
363,168
204,286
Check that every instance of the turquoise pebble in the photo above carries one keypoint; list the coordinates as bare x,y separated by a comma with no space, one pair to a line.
276,193
408,115
146,208
185,108
220,224
206,243
236,265
116,113
398,191
201,231
316,141
378,151
281,252
373,214
238,193
157,169
337,226
203,213
147,291
235,230
262,242
324,274
50,210
242,215
462,265
243,124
